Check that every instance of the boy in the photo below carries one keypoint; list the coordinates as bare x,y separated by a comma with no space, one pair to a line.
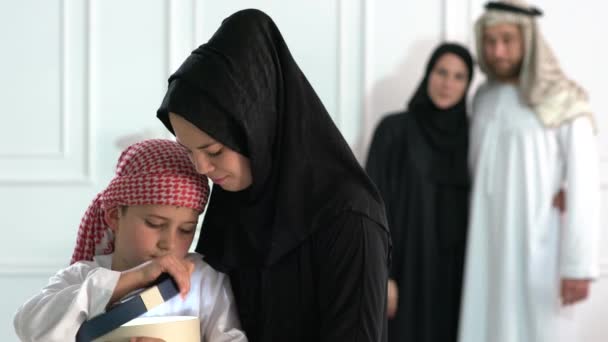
140,226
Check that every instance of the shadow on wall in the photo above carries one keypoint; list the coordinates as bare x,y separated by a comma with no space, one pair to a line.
391,93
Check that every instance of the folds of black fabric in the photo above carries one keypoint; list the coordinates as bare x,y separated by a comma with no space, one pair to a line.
418,160
245,90
428,223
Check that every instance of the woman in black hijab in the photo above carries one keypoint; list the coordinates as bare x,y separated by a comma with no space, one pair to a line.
418,160
293,219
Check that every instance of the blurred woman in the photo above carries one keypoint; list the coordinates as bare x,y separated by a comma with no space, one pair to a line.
418,160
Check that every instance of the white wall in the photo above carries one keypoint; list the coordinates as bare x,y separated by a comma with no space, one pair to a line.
81,75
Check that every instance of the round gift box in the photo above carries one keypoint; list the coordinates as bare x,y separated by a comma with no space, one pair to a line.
168,328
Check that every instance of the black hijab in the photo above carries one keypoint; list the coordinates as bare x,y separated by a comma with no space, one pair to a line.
244,89
446,130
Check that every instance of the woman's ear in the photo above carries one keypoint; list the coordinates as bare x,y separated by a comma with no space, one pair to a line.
111,218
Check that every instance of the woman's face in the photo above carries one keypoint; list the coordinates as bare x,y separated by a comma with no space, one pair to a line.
448,81
224,166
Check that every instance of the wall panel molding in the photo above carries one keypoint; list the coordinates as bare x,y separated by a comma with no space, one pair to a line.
71,162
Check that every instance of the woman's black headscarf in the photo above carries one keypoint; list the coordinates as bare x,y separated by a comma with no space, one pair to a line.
446,130
244,89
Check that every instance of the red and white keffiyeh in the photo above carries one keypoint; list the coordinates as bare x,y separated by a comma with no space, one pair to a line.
151,172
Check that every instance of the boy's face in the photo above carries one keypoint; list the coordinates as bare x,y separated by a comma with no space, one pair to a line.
148,231
503,49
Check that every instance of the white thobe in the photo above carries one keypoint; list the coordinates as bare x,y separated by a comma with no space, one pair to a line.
518,246
83,290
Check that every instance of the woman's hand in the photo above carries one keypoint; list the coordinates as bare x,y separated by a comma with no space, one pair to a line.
145,339
392,298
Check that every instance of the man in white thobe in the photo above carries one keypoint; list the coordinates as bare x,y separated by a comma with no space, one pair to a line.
532,134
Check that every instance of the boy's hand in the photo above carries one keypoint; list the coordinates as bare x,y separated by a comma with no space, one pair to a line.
179,269
144,274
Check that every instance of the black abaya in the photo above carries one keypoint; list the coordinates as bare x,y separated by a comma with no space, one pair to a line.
307,245
418,160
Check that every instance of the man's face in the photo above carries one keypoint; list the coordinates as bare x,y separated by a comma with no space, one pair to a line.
503,49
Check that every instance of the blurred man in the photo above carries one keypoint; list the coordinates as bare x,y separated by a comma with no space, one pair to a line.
532,133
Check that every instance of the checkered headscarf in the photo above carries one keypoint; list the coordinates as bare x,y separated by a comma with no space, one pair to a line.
151,172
